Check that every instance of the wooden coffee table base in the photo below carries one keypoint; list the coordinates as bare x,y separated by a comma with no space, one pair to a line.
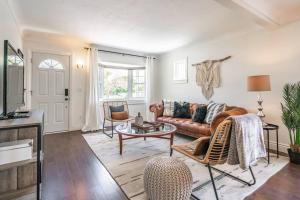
169,136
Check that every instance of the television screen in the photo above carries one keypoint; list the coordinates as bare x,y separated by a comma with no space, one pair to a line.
13,80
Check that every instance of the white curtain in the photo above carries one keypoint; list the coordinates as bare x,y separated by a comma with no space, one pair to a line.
149,86
93,119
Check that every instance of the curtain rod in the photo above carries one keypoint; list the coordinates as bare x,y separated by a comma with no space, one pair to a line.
219,60
123,54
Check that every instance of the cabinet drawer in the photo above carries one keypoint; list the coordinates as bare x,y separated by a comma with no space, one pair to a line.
8,180
27,175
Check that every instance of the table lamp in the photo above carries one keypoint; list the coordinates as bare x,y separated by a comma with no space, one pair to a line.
259,83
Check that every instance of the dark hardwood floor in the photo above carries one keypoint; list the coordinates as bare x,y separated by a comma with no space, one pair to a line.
285,185
73,172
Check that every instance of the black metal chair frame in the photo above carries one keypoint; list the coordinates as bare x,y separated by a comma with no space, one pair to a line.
107,116
210,168
217,153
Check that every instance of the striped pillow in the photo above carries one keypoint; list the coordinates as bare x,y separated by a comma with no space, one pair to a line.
168,108
213,109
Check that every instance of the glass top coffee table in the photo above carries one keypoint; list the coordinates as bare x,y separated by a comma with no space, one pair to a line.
128,131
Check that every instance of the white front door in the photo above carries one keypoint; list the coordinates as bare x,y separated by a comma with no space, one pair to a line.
50,89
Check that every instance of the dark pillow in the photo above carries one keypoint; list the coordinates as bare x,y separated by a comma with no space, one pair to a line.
182,110
116,108
199,114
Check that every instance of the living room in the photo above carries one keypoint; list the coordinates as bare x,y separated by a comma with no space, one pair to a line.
143,99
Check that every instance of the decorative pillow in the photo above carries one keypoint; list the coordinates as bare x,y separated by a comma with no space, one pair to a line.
182,110
168,108
119,115
199,114
213,109
116,108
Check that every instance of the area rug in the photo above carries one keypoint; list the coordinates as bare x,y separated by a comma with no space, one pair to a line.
127,169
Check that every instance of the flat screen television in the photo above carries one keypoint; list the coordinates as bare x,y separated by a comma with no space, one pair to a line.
12,80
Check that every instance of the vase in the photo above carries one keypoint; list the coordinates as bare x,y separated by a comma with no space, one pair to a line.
294,157
139,119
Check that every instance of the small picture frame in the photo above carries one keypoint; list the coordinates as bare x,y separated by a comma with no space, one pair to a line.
180,71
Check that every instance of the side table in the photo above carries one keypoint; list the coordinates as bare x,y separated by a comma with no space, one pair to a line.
271,127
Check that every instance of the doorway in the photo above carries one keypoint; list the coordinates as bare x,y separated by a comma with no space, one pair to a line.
50,89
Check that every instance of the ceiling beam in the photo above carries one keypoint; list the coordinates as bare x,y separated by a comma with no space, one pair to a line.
248,11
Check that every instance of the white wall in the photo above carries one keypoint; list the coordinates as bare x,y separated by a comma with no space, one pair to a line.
53,43
9,30
273,52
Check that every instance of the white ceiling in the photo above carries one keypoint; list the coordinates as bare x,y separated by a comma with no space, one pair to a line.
279,11
150,25
143,25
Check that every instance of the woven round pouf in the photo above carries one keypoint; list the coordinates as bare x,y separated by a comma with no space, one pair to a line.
167,178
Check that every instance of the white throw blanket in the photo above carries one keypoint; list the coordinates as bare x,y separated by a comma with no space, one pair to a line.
247,140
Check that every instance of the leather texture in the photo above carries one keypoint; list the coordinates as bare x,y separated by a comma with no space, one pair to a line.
194,129
187,126
119,115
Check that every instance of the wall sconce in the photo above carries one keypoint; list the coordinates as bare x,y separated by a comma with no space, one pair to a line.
80,65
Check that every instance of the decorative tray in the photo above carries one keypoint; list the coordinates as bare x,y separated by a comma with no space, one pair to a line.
147,125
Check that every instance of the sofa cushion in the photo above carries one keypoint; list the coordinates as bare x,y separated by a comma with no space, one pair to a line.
213,109
195,127
187,126
182,110
199,114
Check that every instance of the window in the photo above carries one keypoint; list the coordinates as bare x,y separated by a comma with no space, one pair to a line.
115,83
50,63
122,83
138,83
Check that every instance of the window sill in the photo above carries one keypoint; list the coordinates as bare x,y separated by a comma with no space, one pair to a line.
129,101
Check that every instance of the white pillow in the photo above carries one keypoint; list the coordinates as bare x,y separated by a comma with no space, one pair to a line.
213,109
168,108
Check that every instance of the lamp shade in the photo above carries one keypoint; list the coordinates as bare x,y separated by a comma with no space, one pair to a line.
259,83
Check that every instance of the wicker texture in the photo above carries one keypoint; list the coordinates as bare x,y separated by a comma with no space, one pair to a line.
167,179
217,152
218,149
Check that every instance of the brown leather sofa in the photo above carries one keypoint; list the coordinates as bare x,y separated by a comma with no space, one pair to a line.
194,129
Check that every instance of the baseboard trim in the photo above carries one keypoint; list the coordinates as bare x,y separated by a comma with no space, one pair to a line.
282,147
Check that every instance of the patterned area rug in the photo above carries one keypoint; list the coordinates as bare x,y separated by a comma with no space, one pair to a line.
128,169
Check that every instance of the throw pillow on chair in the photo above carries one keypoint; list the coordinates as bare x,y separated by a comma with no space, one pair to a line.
119,115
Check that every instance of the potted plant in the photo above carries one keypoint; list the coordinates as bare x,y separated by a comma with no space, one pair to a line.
291,118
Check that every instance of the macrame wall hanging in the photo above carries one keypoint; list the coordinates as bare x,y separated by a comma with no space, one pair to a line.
208,76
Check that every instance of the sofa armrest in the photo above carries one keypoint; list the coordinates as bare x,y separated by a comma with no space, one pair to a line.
157,109
223,115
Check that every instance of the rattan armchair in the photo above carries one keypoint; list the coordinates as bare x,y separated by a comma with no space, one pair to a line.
217,152
107,116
